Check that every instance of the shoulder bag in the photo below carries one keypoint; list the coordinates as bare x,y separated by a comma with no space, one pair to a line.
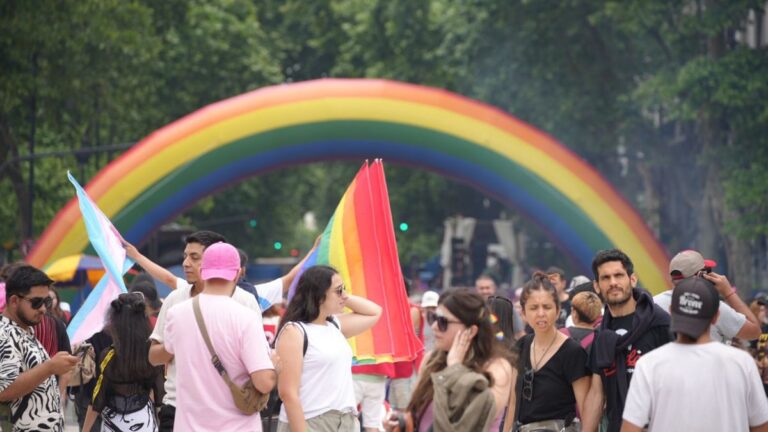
247,399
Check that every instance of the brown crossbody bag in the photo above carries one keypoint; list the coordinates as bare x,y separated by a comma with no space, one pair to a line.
247,399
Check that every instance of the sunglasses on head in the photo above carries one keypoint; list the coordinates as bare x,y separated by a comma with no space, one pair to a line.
38,302
442,322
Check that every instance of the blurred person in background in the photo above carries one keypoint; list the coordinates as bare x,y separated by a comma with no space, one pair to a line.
56,310
586,311
735,319
557,277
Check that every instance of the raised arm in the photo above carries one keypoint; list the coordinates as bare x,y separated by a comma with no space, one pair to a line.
751,328
154,270
290,344
291,275
364,315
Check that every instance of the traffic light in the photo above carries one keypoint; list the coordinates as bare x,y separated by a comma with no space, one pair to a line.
253,222
278,245
403,226
294,252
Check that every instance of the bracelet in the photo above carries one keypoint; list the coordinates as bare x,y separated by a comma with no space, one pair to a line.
733,291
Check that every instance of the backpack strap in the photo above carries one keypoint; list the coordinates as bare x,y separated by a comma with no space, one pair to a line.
588,339
104,363
303,332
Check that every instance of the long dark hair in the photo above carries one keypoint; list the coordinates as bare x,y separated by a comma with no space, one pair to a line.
56,310
310,293
470,308
502,308
130,330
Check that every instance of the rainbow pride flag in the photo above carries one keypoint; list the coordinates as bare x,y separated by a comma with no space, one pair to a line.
107,242
359,242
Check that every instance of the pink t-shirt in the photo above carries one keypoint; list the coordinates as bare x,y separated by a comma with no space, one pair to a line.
203,400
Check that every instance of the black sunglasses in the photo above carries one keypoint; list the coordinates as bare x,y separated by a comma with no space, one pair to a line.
528,384
442,322
38,302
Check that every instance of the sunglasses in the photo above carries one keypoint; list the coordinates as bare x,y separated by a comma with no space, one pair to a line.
340,290
442,322
38,302
528,384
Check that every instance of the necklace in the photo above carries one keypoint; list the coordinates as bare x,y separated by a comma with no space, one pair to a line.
536,363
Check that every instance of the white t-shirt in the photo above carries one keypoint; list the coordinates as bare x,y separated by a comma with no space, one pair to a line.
204,401
270,293
179,295
727,325
326,376
709,387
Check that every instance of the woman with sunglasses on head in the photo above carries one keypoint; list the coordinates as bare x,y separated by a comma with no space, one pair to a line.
465,381
552,378
315,360
127,383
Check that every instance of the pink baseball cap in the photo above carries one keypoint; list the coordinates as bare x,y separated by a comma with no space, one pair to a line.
220,261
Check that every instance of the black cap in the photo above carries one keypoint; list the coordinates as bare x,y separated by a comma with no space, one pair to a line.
694,303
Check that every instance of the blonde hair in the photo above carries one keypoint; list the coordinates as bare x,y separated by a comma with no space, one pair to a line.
587,305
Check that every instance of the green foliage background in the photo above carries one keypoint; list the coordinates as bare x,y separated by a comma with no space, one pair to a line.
667,99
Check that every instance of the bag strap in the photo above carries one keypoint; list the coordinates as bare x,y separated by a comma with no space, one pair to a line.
104,363
204,331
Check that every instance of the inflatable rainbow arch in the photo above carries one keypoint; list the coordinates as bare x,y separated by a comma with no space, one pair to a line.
359,119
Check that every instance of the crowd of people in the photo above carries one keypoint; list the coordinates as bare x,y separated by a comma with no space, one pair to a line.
600,354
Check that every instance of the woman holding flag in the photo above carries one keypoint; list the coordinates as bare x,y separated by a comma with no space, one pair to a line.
315,372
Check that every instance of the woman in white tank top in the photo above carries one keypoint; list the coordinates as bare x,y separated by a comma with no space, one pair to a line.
315,373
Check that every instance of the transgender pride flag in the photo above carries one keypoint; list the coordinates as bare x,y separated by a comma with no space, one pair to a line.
107,242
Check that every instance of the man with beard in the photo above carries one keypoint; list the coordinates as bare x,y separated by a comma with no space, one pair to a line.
27,373
632,326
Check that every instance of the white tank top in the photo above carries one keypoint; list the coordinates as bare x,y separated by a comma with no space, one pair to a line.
326,379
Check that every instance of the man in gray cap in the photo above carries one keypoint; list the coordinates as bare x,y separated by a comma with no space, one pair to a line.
693,383
735,318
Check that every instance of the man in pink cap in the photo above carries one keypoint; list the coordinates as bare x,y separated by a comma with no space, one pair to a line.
203,400
735,319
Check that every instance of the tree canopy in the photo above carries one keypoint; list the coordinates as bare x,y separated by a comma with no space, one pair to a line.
668,99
